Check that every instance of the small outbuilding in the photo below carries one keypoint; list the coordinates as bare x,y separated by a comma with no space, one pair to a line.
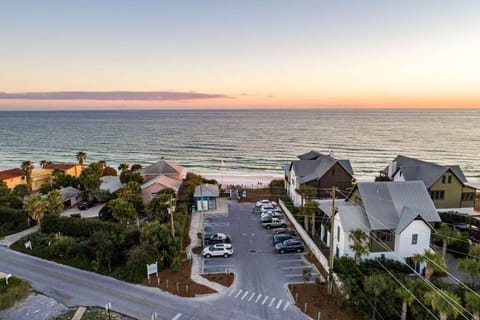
206,196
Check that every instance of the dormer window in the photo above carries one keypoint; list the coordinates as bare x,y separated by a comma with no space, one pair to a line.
449,179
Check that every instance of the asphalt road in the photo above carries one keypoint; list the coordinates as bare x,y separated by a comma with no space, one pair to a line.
259,291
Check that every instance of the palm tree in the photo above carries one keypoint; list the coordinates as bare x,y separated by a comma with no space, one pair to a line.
375,285
407,297
81,156
448,236
136,167
433,262
360,245
54,202
45,163
309,210
103,163
306,192
472,301
470,266
35,208
27,167
441,301
123,166
21,191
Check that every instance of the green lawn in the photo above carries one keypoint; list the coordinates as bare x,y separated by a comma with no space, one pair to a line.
11,293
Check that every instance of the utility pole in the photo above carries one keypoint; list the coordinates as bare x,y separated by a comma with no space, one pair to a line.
170,210
332,231
201,213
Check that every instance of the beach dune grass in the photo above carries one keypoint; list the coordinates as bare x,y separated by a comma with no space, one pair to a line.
13,292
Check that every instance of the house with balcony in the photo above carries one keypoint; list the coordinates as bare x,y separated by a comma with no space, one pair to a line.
320,172
397,216
447,185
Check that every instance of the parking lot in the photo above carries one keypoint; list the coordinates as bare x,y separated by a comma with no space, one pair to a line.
262,273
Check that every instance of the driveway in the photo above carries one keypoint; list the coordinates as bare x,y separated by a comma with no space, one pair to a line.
89,213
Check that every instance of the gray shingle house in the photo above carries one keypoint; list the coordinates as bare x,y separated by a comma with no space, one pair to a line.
318,171
447,185
398,216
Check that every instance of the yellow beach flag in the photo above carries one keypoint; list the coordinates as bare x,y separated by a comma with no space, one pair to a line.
222,164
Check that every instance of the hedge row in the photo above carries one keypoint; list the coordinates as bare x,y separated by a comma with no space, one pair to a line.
76,227
12,220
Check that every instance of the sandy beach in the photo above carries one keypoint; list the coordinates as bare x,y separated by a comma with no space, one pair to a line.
246,179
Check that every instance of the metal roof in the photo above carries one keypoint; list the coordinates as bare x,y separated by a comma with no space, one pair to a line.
308,170
207,190
428,172
393,205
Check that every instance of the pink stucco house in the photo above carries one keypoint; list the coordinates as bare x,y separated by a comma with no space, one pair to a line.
160,175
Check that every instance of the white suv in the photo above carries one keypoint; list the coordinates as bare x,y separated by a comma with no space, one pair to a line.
218,250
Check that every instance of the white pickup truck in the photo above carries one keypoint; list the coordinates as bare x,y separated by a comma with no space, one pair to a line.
274,223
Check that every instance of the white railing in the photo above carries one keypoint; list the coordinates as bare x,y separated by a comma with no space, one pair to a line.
306,237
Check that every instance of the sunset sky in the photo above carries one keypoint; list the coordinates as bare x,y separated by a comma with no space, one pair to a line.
226,54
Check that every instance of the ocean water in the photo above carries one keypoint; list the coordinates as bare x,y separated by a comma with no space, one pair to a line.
247,140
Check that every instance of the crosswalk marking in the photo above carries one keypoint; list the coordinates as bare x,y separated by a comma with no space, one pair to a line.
238,293
271,302
244,295
249,296
279,303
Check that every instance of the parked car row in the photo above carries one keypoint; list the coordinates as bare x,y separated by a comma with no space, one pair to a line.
217,245
284,238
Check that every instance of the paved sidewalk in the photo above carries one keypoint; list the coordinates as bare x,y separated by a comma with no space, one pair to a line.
9,240
195,228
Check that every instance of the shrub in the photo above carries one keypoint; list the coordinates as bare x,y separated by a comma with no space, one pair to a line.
12,220
138,258
64,248
77,227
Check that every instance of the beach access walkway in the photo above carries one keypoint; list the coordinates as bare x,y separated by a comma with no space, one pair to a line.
195,228
10,239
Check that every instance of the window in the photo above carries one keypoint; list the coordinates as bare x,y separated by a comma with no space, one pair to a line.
437,195
414,238
338,234
468,196
384,236
337,252
333,171
449,179
443,179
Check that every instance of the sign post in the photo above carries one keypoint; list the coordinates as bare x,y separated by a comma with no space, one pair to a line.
151,269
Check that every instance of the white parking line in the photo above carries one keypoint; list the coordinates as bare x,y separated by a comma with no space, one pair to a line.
231,292
219,266
279,303
238,293
286,306
244,295
299,275
265,300
290,260
296,267
271,302
258,298
177,316
251,297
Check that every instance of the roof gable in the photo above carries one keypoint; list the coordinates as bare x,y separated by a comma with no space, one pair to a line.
11,173
393,205
162,167
428,172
